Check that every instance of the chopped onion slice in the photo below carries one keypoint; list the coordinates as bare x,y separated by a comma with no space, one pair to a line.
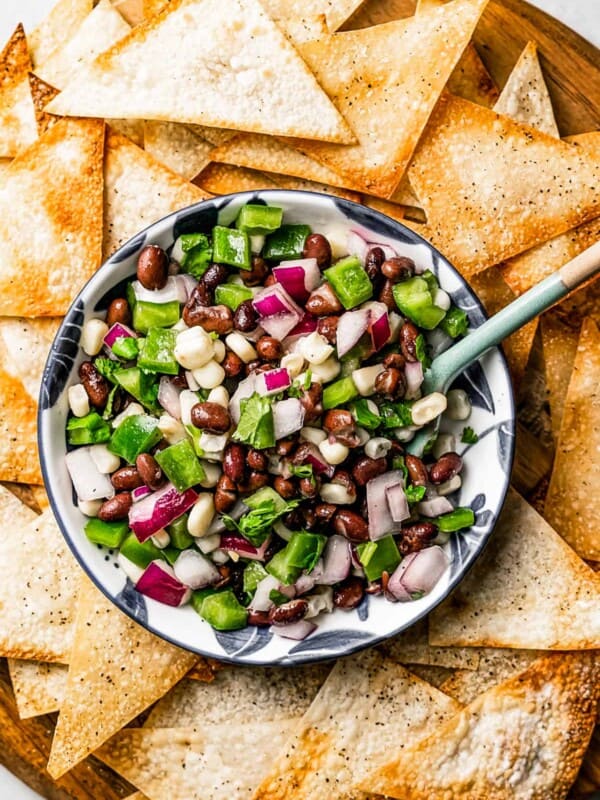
298,277
185,286
379,324
337,560
305,583
273,381
435,506
288,417
294,630
169,293
89,483
278,312
316,460
168,397
236,543
262,599
118,331
351,327
159,582
381,521
357,246
413,371
395,590
140,492
423,571
159,510
194,570
308,324
397,502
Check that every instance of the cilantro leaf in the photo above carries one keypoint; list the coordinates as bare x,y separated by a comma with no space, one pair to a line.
256,427
421,351
364,416
197,253
257,523
469,436
108,409
107,368
302,471
396,415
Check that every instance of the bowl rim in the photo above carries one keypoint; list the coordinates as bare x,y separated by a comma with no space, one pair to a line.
308,657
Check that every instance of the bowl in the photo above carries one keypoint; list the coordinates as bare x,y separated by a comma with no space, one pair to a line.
487,463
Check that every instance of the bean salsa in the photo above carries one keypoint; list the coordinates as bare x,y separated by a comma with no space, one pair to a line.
237,432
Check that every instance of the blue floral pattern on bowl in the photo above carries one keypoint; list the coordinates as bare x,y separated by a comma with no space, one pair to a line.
484,486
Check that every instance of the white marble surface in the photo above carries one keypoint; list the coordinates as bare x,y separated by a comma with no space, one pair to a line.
581,15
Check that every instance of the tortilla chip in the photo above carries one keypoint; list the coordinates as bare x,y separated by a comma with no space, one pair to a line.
336,13
405,194
492,188
58,27
521,740
236,692
177,147
399,90
210,762
225,179
228,50
24,492
41,497
527,590
41,94
38,595
17,118
393,210
495,294
152,7
286,182
51,219
436,676
205,670
495,666
412,647
138,191
560,347
216,136
573,499
116,670
367,706
39,688
132,11
24,347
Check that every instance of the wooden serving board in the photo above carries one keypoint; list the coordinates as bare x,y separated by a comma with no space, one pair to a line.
572,69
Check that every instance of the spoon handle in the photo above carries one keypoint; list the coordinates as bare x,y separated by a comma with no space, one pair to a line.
538,299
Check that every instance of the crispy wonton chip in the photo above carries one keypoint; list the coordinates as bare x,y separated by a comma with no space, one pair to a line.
41,94
573,499
412,647
25,493
224,179
24,347
132,11
522,740
366,707
399,90
51,219
336,11
138,191
491,188
177,147
525,95
559,341
39,688
17,118
227,52
37,595
116,670
57,28
210,762
528,590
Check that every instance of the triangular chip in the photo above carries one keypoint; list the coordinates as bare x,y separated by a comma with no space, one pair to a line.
367,706
39,590
51,219
116,670
210,762
225,179
25,493
232,696
492,188
287,182
336,11
230,52
412,647
41,94
559,341
132,11
177,147
24,348
57,28
522,740
525,95
138,191
17,118
152,7
399,90
527,590
495,294
39,688
573,499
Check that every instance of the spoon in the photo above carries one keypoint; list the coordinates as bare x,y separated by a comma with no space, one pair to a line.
447,366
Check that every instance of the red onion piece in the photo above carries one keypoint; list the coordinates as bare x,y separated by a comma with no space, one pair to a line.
413,371
308,324
337,560
305,583
379,324
397,502
278,312
158,510
118,331
381,521
236,543
158,581
294,630
185,286
288,417
273,381
311,270
314,457
435,506
293,281
395,590
140,492
351,327
167,294
357,246
89,483
194,570
168,397
424,570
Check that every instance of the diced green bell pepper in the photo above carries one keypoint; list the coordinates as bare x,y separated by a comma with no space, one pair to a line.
301,552
177,530
263,496
157,352
286,243
140,553
456,520
254,573
136,434
148,315
455,323
259,220
126,347
340,392
350,282
91,429
431,280
231,295
231,246
108,534
139,385
221,609
181,466
170,554
281,569
197,253
414,299
378,557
